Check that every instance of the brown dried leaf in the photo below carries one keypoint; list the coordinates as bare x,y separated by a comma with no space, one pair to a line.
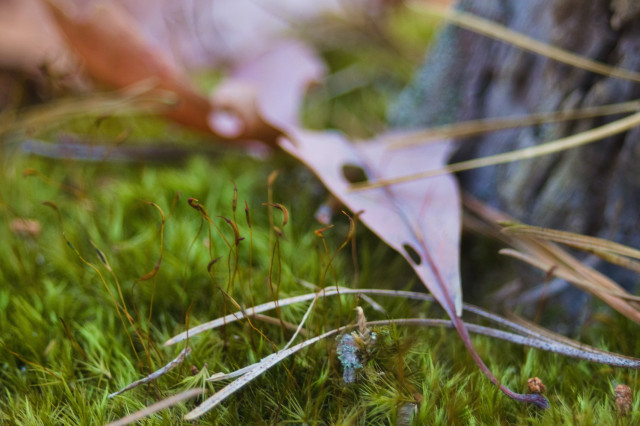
114,53
28,39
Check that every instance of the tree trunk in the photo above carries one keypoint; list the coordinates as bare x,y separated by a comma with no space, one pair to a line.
593,190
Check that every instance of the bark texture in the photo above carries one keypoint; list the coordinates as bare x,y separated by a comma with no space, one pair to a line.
593,190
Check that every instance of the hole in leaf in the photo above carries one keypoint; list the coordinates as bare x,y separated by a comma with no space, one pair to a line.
412,253
354,174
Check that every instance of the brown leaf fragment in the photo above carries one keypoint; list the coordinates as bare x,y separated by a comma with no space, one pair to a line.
28,39
623,399
536,385
114,53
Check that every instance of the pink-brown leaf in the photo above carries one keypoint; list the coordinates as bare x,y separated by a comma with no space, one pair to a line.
115,54
420,219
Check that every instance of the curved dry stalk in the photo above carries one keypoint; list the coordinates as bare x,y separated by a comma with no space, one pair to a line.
251,372
497,319
558,145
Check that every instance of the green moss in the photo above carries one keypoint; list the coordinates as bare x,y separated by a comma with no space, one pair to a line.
64,347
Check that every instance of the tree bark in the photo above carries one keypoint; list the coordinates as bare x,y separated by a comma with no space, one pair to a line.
593,190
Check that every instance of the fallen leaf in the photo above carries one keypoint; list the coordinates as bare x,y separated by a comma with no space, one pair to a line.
114,53
264,95
419,219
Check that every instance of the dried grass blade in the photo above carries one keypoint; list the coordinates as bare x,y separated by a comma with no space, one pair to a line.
504,34
552,255
219,322
156,374
558,145
158,406
236,316
545,334
630,309
474,127
583,242
136,99
374,305
565,275
617,259
276,321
